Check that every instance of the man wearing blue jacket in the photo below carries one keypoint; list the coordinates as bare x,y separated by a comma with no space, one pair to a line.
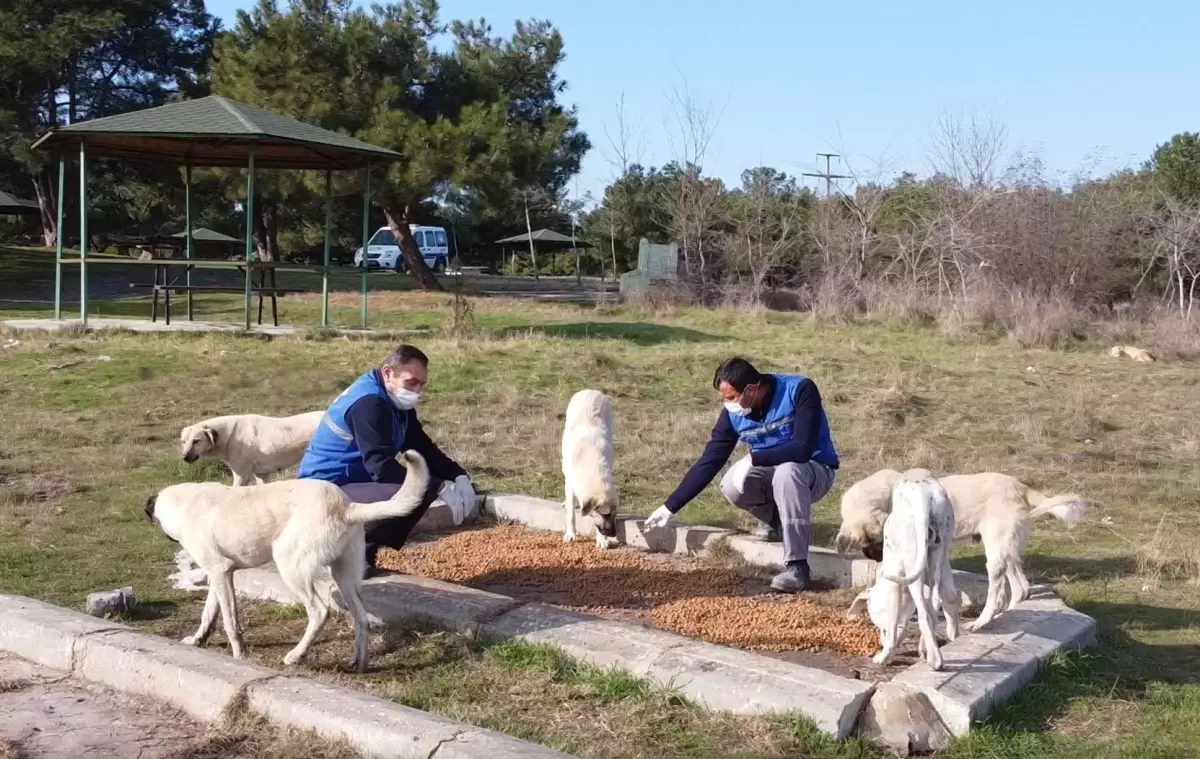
791,466
356,444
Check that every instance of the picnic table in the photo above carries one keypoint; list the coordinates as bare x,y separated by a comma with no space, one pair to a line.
165,282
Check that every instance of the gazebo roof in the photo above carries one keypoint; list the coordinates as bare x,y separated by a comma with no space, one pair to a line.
204,234
216,131
546,236
11,205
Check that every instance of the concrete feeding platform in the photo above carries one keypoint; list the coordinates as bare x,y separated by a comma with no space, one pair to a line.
918,710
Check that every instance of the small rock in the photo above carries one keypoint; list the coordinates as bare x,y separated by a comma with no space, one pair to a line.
1030,369
104,358
111,602
905,720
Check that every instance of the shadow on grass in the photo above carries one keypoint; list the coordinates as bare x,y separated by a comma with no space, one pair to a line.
638,333
1043,568
1119,669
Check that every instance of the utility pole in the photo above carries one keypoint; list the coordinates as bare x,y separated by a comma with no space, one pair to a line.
828,176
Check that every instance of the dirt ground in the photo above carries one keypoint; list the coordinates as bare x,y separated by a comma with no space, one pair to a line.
705,598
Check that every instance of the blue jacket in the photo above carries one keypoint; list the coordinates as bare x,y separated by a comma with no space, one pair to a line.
361,434
792,428
778,423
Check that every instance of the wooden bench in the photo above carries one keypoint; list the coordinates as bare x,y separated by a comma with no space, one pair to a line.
163,285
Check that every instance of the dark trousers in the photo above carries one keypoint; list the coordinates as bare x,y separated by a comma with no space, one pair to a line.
393,532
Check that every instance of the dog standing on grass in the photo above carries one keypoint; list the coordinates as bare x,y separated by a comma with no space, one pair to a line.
915,571
305,526
251,445
587,465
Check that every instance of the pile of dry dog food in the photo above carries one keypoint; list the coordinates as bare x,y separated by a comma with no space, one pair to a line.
683,595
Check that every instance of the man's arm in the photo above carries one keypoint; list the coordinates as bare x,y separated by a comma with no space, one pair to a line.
372,422
799,449
441,466
720,445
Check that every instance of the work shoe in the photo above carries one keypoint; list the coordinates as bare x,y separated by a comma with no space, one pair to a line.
768,532
791,580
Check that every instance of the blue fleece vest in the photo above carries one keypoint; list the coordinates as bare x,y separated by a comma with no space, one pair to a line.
332,454
779,420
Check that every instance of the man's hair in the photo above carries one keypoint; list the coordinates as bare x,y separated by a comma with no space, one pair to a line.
406,354
738,372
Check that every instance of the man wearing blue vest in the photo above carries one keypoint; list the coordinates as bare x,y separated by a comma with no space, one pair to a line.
791,466
356,444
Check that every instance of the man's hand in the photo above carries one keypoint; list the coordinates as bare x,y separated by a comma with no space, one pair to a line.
659,518
460,497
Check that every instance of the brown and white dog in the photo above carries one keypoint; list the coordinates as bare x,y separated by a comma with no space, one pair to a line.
990,507
304,526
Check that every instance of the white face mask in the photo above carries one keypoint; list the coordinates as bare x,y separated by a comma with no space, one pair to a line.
736,409
403,399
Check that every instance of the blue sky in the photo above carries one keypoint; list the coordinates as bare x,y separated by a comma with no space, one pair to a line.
1086,86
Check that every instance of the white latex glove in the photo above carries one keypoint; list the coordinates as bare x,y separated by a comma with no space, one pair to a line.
659,518
463,486
737,474
454,499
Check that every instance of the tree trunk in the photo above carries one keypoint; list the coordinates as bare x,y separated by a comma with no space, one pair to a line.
532,247
397,219
48,212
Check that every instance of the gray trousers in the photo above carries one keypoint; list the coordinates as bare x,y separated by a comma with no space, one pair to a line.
788,490
394,532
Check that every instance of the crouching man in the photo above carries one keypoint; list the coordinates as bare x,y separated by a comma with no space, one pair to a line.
356,444
791,465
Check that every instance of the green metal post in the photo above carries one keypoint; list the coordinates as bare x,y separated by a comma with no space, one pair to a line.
249,233
58,235
83,234
366,237
328,233
187,229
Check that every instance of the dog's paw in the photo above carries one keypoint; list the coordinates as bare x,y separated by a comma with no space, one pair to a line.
604,542
880,658
568,537
292,658
935,660
190,640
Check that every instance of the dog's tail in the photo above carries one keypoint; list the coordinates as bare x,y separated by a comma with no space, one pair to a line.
407,499
1069,508
918,499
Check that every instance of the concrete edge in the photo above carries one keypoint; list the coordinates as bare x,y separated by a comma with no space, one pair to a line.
719,677
828,566
203,683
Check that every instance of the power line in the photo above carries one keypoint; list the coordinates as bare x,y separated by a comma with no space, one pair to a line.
828,176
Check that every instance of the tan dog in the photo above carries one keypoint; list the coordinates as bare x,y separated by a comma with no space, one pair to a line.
1137,354
305,526
991,507
251,445
587,465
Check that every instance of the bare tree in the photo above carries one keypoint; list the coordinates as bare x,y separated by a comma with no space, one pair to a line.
625,148
1175,246
692,200
533,197
968,147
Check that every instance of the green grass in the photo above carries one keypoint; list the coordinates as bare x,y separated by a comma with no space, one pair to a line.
81,447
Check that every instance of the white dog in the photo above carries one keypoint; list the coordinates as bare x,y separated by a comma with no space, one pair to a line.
303,525
587,465
915,571
251,445
993,508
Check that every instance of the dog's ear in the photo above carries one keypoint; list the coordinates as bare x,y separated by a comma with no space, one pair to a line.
859,606
211,434
149,507
587,507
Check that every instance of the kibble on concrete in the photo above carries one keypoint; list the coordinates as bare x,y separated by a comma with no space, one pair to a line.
685,596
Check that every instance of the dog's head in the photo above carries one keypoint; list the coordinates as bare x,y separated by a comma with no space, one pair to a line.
196,441
604,514
884,603
151,508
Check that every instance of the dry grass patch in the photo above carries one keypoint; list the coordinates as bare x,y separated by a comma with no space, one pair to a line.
243,734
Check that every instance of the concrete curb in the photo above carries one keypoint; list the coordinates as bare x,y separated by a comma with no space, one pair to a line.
204,683
827,566
719,677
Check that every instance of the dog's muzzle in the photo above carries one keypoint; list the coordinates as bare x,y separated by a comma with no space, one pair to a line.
873,551
607,525
190,458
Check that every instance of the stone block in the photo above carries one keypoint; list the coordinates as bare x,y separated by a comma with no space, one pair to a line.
46,634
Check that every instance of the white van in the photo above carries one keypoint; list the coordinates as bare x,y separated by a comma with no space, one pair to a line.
383,250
